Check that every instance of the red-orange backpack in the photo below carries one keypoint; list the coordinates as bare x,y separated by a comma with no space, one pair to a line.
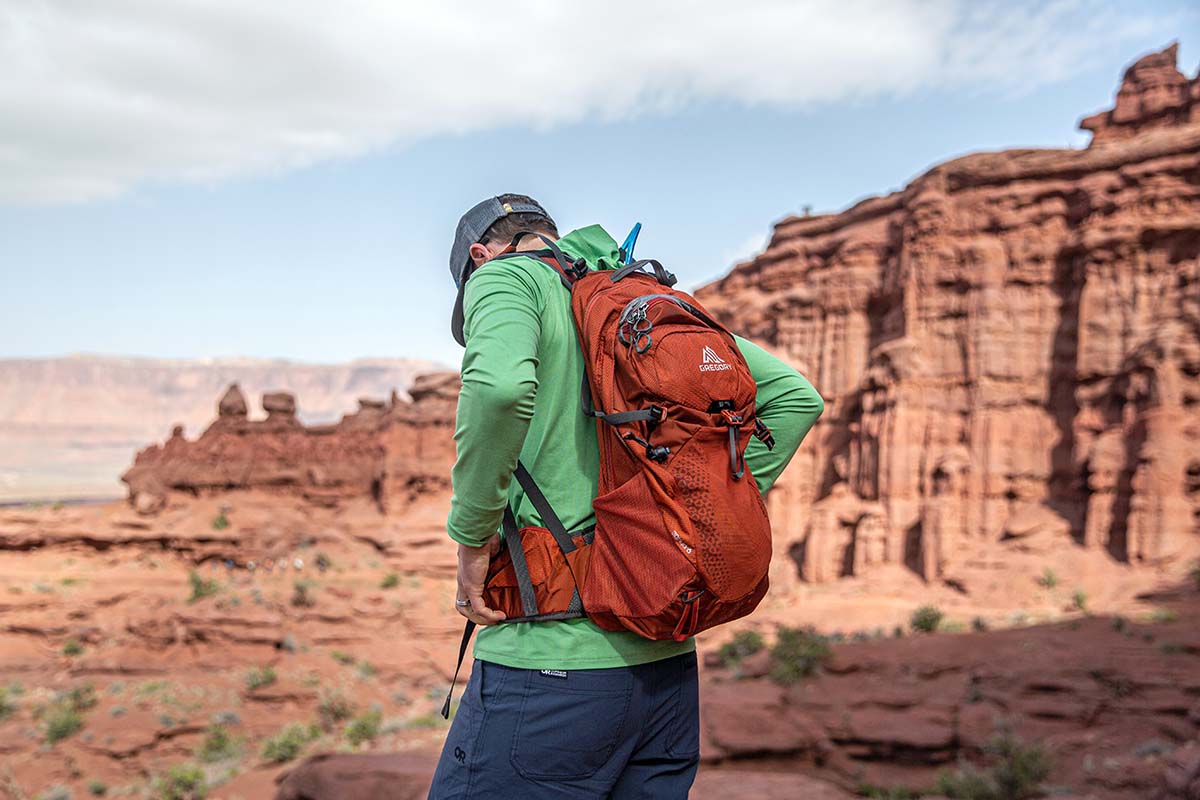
681,541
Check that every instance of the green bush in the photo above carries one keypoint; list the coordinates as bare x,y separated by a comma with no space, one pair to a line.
366,670
797,654
341,658
1079,600
259,677
218,745
64,717
1048,579
61,721
1015,771
390,581
743,644
201,587
926,619
182,782
220,522
430,720
364,727
80,698
97,788
1161,616
8,704
287,744
333,708
72,647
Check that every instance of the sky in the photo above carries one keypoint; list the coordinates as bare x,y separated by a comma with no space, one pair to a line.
218,178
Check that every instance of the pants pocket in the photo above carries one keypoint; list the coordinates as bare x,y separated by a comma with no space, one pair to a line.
683,741
569,727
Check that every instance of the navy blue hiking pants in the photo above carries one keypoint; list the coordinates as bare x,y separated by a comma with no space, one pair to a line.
627,732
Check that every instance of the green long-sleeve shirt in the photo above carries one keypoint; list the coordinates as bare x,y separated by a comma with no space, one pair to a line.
520,399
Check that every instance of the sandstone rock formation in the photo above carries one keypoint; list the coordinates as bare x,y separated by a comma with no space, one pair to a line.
390,452
68,425
1013,336
1115,703
1154,94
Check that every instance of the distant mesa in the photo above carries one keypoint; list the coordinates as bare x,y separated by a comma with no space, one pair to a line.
389,451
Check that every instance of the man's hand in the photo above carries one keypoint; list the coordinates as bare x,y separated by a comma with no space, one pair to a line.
472,573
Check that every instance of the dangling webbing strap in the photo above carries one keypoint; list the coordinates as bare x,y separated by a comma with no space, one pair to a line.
468,629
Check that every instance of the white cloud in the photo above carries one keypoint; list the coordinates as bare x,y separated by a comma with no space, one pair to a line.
96,98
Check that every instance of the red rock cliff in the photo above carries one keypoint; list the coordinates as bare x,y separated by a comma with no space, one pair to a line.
1010,344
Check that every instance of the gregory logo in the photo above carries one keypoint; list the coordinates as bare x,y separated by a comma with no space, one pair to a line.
711,362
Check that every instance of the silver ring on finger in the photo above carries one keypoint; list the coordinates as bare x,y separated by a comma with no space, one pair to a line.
463,603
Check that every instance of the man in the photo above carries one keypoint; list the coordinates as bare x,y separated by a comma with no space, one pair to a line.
560,709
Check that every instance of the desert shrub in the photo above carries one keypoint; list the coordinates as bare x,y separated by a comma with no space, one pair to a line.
181,782
72,647
1048,579
390,581
201,587
287,744
430,720
979,624
341,658
61,721
364,727
797,654
64,717
217,745
743,643
8,703
1194,574
926,619
54,793
366,670
97,788
1014,771
80,698
1160,616
322,562
302,594
259,677
333,707
1079,600
220,522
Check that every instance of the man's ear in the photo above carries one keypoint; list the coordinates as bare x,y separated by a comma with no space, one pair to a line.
479,254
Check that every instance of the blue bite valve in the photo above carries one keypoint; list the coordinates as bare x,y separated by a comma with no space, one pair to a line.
630,242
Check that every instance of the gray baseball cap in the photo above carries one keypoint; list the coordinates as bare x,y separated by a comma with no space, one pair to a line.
471,228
